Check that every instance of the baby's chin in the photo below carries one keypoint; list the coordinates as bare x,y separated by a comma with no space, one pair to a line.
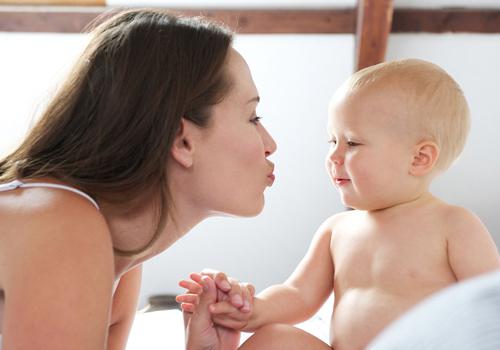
350,205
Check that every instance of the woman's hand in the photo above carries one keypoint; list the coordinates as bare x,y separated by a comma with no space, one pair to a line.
233,308
201,332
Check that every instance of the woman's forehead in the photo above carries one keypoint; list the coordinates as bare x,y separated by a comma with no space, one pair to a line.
242,85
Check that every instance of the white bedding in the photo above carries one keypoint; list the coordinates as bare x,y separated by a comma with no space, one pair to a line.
160,330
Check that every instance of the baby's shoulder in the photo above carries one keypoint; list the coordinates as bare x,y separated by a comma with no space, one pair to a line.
455,219
454,215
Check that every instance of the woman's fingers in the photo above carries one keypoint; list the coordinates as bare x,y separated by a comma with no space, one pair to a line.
188,308
188,298
220,278
239,294
188,302
191,286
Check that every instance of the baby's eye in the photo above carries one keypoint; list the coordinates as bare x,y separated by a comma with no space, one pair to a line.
332,141
352,143
255,119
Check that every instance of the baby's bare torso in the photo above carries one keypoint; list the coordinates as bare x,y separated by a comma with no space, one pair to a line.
384,263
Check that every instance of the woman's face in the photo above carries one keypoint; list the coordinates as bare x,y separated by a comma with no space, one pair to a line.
233,151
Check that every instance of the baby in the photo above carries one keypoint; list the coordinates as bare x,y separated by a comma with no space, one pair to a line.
392,129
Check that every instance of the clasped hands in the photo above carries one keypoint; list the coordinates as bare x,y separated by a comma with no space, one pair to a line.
216,308
234,301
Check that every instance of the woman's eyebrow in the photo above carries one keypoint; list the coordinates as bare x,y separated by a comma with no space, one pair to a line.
254,99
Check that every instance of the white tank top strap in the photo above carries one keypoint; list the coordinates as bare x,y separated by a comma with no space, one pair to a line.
16,184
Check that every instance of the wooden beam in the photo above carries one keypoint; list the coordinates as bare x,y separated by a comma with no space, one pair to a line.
374,20
338,21
332,21
446,20
74,20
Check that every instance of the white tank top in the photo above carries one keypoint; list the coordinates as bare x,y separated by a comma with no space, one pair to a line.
19,184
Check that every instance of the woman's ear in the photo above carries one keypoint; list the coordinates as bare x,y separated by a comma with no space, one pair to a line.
183,146
425,156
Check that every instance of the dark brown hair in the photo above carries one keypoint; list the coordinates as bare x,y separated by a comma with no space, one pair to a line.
110,127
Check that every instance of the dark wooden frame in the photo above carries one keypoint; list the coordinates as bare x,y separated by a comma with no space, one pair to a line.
373,25
328,21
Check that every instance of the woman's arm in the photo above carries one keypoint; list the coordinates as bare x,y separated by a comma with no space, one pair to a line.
124,308
57,274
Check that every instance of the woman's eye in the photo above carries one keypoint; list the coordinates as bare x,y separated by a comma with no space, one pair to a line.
255,120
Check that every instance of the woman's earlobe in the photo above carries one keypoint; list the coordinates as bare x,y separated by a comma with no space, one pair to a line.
424,158
182,149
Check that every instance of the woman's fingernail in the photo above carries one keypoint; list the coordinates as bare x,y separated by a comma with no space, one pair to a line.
237,300
225,284
205,284
246,306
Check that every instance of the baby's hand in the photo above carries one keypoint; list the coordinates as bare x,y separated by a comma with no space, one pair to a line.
234,299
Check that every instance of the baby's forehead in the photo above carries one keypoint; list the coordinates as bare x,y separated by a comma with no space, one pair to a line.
378,107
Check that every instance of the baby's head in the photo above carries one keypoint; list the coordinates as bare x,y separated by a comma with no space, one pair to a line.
393,127
431,103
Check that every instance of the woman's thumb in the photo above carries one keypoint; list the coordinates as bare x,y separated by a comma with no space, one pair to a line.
200,332
209,295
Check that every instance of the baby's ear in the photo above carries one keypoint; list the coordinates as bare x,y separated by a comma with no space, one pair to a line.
425,156
183,147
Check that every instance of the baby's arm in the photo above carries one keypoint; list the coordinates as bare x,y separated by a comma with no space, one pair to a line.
291,302
304,291
471,250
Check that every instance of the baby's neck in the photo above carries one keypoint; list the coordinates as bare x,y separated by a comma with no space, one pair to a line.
421,200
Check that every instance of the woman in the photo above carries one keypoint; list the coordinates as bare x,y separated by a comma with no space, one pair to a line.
153,131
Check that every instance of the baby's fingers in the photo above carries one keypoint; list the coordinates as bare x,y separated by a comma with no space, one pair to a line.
223,307
229,322
248,292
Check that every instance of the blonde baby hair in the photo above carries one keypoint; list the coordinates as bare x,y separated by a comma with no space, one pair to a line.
436,105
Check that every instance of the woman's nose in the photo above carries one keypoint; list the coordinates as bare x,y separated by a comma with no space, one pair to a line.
269,144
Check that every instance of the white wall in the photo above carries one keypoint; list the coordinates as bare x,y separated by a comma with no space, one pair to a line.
295,75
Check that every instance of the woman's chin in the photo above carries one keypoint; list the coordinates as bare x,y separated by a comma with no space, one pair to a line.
239,210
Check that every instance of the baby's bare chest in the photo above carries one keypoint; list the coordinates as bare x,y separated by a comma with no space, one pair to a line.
396,259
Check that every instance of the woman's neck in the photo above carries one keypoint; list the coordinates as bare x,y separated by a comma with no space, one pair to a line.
135,230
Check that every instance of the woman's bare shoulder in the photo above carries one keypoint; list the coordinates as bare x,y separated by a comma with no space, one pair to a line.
50,225
56,258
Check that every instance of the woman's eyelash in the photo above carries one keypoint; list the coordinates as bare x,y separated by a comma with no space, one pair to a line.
255,119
